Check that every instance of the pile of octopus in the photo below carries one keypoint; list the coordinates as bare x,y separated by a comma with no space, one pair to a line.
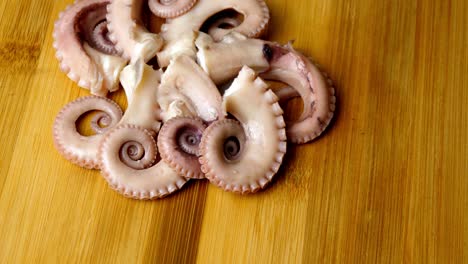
199,106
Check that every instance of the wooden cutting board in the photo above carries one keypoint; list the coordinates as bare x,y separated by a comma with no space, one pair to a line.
386,183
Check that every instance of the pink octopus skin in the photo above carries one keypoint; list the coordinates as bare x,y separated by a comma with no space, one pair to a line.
316,91
131,174
126,30
88,67
180,33
79,149
243,155
178,143
170,8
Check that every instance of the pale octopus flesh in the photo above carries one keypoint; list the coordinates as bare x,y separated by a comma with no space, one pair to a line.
180,124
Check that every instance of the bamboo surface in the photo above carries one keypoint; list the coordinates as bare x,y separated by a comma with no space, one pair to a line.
386,183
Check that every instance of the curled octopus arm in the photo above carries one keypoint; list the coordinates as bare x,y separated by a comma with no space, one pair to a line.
128,154
243,154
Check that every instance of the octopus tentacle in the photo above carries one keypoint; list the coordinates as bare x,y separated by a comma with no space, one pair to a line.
128,151
75,147
132,153
91,67
101,122
178,143
141,84
180,33
170,8
93,28
316,91
187,83
100,39
128,169
128,33
223,60
278,63
243,156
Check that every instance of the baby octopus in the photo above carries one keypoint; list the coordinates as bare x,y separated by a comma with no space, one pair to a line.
199,105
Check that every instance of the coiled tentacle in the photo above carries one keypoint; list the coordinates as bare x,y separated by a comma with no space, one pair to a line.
79,149
244,155
101,122
127,156
316,90
178,143
83,49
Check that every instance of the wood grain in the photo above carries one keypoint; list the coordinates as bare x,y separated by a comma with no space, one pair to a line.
387,183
